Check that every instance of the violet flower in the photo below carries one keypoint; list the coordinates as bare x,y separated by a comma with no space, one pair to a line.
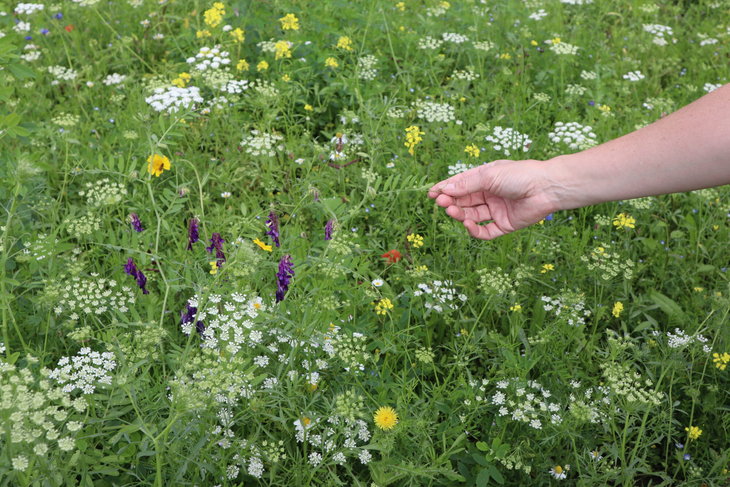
131,269
283,277
188,315
273,224
136,223
216,242
328,229
192,232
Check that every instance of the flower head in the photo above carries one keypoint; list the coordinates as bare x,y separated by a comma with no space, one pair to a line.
472,150
413,137
345,43
415,240
216,242
273,224
693,432
192,232
393,256
283,277
385,418
262,245
618,307
721,360
559,472
131,269
328,228
289,22
136,223
157,163
622,220
383,306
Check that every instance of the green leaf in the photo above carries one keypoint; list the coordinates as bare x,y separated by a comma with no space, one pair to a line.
481,446
483,477
667,305
20,71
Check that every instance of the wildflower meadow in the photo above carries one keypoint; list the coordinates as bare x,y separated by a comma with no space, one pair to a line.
219,265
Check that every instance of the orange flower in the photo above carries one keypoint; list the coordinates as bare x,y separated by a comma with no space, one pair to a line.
393,256
69,27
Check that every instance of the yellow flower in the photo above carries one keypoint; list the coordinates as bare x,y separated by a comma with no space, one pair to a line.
156,164
622,220
694,432
345,43
383,306
547,268
413,137
556,40
214,16
286,78
331,62
415,240
238,34
281,50
472,150
618,307
262,66
401,6
182,80
505,55
262,245
213,267
201,34
604,108
289,22
721,360
242,65
516,308
533,42
308,107
385,418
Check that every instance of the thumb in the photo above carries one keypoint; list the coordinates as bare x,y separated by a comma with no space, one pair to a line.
465,183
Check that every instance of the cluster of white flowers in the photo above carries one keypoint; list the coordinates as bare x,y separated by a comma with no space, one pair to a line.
350,349
84,370
706,40
710,87
366,67
563,48
429,42
437,10
114,79
22,27
660,33
235,87
326,435
103,192
94,295
439,295
539,15
610,264
577,2
465,74
459,168
568,306
66,119
507,140
262,143
680,339
62,73
33,53
434,112
28,8
589,405
495,281
83,225
340,142
453,37
588,75
209,58
634,76
626,383
484,45
575,90
573,134
173,99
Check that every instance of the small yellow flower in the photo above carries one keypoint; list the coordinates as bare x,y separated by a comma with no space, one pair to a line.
289,22
415,240
401,6
547,268
472,150
157,163
385,418
213,267
262,245
182,80
516,308
698,289
505,55
286,78
413,137
282,50
622,220
308,107
242,65
331,62
533,42
604,108
345,43
262,66
383,306
201,34
556,40
238,34
618,307
693,432
464,332
721,360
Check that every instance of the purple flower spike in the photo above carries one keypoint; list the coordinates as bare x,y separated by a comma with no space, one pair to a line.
273,224
131,269
283,277
328,229
193,235
136,223
216,242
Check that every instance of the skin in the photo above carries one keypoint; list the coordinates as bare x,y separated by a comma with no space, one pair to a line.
684,151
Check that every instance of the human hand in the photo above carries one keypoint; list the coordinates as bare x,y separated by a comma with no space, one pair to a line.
510,195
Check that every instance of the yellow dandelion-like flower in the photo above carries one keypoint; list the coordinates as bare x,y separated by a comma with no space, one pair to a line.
289,22
618,307
157,164
547,268
385,418
517,308
262,245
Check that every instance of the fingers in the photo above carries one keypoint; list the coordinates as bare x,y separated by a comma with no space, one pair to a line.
478,214
489,231
460,185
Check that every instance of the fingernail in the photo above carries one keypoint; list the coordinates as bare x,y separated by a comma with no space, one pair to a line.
448,187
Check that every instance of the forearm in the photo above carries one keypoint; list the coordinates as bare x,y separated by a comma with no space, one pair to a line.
686,150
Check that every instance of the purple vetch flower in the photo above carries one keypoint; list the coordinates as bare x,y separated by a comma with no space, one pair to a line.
283,277
131,269
192,232
136,223
328,229
273,223
188,315
216,242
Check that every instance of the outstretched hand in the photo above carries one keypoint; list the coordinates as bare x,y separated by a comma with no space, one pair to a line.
509,195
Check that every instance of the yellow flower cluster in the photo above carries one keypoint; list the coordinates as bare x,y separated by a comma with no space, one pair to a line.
242,65
401,6
415,240
413,137
383,306
345,43
693,432
517,308
182,80
472,150
289,22
282,50
262,66
547,268
618,307
385,418
238,34
721,360
214,16
622,220
331,62
213,267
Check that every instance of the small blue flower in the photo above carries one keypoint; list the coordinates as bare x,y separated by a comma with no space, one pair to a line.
687,456
58,16
45,31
